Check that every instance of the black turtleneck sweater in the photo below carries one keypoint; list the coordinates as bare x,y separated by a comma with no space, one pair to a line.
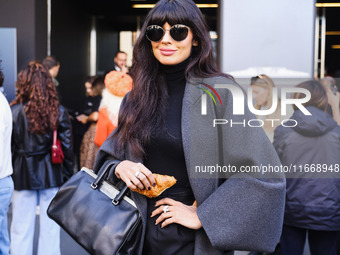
164,154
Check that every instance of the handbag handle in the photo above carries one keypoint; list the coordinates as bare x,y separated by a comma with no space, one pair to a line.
54,138
101,174
120,195
100,177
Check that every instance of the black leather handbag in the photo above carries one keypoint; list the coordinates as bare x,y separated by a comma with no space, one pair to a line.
96,214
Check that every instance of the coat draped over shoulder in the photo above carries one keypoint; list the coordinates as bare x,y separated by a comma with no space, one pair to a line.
238,210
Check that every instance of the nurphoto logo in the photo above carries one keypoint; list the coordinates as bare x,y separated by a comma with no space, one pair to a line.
239,102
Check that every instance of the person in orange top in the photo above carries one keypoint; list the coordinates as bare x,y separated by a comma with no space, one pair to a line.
117,85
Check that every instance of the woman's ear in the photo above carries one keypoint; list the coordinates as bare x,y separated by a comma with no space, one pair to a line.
194,43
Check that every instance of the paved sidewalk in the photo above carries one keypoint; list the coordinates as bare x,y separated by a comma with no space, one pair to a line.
68,245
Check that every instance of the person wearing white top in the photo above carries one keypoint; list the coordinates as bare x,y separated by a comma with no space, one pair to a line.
6,170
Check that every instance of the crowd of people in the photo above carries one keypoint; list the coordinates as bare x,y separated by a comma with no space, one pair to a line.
28,176
148,120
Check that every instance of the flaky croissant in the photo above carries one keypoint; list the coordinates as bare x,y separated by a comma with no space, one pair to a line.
163,182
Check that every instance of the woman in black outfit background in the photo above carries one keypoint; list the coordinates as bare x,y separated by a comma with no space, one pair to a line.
94,86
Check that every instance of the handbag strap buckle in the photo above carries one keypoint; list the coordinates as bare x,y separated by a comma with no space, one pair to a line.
100,177
120,196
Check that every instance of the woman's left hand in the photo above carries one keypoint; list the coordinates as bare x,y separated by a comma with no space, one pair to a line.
185,215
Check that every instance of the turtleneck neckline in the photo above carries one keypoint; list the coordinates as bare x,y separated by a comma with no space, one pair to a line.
174,72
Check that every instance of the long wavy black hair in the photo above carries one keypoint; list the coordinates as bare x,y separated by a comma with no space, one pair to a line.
145,105
37,92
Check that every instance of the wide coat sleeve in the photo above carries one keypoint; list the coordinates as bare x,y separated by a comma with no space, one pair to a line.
245,210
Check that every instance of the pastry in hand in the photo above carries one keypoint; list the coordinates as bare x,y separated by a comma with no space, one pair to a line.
163,182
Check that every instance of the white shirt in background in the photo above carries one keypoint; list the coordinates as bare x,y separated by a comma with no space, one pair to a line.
6,124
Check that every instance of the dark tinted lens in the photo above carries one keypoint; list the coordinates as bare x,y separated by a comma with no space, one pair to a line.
154,33
179,32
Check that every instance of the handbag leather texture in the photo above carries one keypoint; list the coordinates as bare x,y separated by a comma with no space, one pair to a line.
57,155
96,214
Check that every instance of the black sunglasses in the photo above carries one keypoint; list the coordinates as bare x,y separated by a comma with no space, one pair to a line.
178,32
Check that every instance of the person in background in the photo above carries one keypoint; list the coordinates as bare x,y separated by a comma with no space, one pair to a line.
117,84
53,66
333,96
262,87
312,147
78,127
120,62
6,170
36,113
2,81
88,150
161,130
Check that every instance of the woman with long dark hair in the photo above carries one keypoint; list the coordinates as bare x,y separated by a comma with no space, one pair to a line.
161,130
36,113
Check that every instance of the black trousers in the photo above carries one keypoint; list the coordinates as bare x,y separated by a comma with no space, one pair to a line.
320,242
174,238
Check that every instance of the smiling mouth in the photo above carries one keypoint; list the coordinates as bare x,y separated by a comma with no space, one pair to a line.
167,52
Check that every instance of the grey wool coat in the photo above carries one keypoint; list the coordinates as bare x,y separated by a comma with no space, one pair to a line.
238,211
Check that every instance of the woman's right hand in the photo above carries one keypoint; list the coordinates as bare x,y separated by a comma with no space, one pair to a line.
135,175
